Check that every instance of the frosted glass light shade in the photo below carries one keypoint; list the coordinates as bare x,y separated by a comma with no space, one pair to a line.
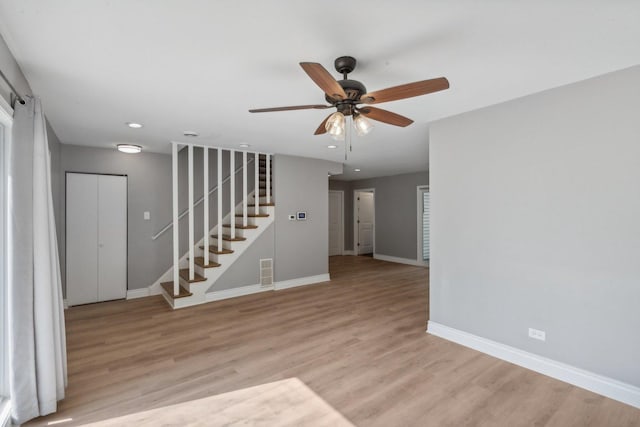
362,125
335,126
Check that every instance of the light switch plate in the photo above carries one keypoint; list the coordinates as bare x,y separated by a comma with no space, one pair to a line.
292,217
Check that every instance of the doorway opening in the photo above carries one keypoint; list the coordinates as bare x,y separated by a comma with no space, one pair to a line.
336,222
423,203
364,229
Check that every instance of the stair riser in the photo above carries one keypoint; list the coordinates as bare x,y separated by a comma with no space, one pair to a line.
227,232
225,244
251,220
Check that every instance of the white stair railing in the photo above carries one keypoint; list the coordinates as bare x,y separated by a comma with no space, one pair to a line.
219,188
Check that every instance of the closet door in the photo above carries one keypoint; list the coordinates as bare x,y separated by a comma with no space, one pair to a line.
112,237
96,238
82,238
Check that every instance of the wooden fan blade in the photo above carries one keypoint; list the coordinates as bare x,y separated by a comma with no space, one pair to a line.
322,129
408,90
385,116
322,78
294,107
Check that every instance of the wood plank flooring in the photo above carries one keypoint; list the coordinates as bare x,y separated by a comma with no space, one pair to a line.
349,352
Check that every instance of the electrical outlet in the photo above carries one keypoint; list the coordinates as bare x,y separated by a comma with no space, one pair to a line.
537,334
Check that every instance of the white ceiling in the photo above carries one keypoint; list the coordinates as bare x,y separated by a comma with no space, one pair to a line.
199,65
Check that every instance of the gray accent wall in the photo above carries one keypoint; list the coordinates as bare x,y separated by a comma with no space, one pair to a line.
246,270
150,189
396,220
536,223
301,247
12,71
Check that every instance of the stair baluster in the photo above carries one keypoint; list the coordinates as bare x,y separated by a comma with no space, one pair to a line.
232,194
244,189
219,199
176,240
205,157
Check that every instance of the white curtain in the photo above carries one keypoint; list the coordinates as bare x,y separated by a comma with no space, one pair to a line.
38,359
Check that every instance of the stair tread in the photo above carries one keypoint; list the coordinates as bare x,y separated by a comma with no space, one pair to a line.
213,250
184,273
253,215
199,260
168,288
261,204
242,227
228,238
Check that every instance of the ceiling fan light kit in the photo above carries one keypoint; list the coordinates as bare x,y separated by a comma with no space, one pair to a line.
346,95
335,126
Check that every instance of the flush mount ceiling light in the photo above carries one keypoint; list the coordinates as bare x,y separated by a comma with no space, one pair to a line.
129,148
356,170
134,125
245,145
190,133
332,146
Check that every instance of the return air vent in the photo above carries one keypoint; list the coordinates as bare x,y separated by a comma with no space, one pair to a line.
266,272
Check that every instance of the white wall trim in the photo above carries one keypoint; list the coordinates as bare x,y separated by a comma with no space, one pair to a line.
236,292
605,386
349,252
137,293
301,281
401,260
65,304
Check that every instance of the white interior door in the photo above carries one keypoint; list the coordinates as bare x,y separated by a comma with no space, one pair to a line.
96,227
336,215
365,207
82,238
112,237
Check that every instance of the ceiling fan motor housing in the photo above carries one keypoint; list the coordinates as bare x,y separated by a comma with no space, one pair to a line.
354,90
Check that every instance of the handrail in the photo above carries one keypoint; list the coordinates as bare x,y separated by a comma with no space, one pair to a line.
200,200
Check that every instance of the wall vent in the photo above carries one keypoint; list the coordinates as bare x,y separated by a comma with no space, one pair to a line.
266,272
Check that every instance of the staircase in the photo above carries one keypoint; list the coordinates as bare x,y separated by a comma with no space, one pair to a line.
195,273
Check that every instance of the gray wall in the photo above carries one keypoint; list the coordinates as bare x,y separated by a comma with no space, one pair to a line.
395,212
12,71
301,247
246,270
149,189
535,223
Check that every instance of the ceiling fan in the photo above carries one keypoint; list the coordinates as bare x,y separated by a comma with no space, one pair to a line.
346,96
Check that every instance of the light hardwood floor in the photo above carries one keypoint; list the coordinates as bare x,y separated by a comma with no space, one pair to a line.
349,352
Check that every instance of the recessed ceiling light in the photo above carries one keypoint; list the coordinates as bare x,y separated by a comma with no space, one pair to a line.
244,145
133,125
190,133
129,148
356,170
332,146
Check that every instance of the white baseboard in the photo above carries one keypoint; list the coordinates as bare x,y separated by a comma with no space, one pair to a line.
301,281
236,292
348,253
605,386
65,304
401,260
137,293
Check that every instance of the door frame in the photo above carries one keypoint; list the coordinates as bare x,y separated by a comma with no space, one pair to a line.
126,176
355,218
341,218
419,190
